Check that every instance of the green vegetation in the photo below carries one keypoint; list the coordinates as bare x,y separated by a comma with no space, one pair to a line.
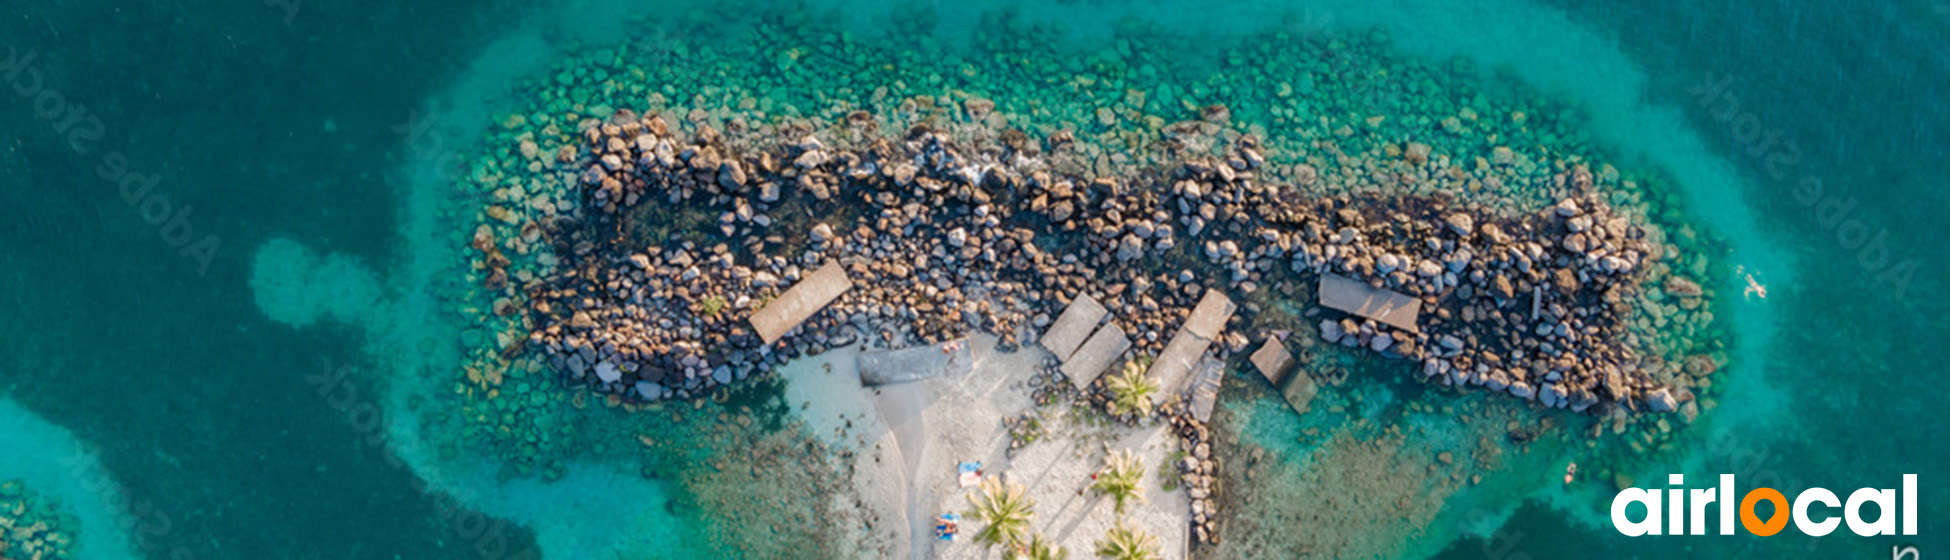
1131,391
1026,430
1120,479
714,305
1007,508
1124,542
1040,549
1168,471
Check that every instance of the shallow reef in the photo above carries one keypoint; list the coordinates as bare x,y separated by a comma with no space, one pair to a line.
34,527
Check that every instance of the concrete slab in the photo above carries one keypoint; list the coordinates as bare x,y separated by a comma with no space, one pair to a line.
1211,314
1073,326
1273,361
1096,354
1175,363
810,295
1278,366
886,367
1299,390
1206,378
1358,298
1207,320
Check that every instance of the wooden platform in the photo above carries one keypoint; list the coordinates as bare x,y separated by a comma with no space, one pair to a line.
1096,354
1187,347
1206,378
1274,362
810,295
1073,326
1358,298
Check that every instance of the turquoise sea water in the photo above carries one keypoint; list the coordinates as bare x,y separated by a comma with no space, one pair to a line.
183,407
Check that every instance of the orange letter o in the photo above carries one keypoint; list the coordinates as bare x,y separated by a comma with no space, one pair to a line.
1752,522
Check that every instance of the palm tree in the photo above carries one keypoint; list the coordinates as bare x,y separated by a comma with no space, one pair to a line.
1120,477
1007,508
1131,391
1040,549
1124,542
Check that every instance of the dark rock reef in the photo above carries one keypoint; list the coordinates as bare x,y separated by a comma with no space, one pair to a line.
680,237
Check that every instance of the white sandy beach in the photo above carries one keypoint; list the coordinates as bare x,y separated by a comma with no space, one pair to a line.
910,438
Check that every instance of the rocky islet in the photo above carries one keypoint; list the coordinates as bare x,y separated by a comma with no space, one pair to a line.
952,236
621,250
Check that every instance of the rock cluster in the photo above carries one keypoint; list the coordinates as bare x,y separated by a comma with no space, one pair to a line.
1024,429
934,250
1197,471
1049,383
1535,306
679,237
31,526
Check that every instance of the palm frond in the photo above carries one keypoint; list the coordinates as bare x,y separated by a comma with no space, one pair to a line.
1007,508
1121,478
1124,542
1040,549
1131,391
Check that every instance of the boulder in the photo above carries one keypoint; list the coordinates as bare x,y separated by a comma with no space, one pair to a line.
1131,247
1381,342
1428,269
1567,208
607,372
1502,288
1460,223
1661,401
1522,390
1330,331
1681,287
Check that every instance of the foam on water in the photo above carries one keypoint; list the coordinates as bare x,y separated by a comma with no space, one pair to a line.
52,463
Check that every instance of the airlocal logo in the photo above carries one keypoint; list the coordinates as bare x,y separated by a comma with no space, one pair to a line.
1676,499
